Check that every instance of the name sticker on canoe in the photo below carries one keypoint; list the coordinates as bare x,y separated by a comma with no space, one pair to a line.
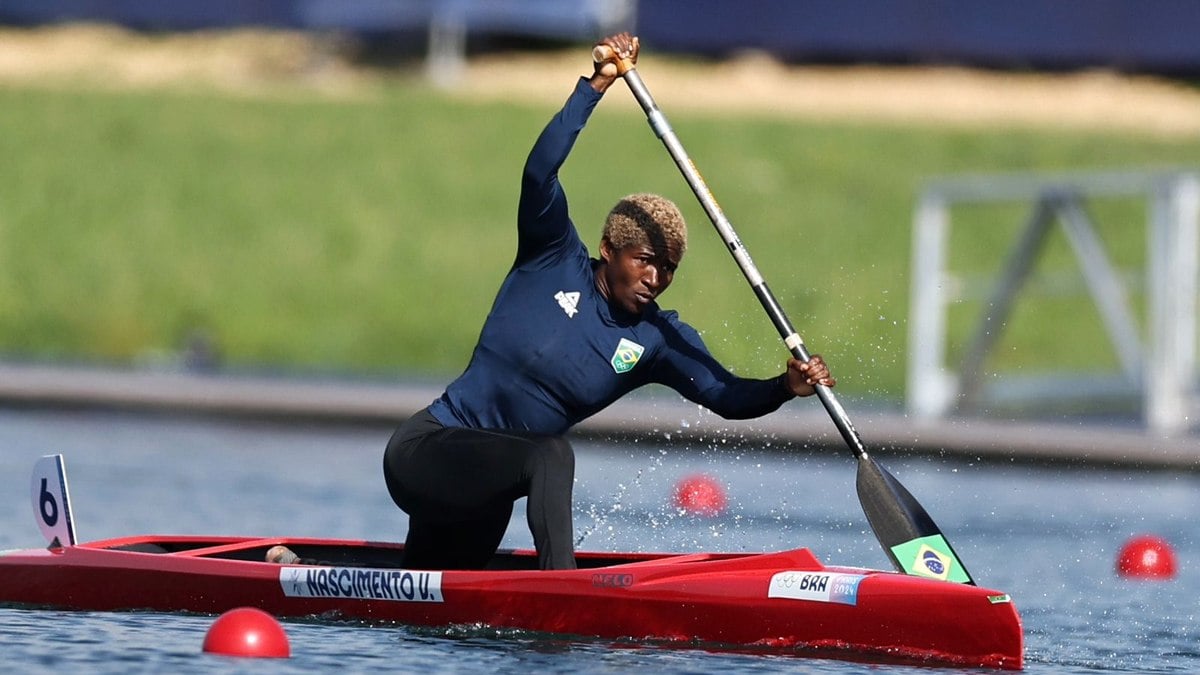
360,583
816,586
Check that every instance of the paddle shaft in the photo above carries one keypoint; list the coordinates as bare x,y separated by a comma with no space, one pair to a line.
792,339
899,521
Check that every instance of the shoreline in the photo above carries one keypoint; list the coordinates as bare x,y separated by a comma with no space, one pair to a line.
646,416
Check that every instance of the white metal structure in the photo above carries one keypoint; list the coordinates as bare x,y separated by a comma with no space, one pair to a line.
1166,362
449,22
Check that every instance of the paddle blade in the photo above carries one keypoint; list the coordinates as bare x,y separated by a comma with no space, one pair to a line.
909,536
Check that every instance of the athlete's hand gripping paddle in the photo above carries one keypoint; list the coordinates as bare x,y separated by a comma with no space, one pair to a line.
908,535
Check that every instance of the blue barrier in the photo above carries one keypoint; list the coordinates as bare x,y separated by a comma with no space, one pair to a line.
155,14
558,19
1146,35
1135,35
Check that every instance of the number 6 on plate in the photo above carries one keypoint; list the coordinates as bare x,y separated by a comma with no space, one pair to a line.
51,501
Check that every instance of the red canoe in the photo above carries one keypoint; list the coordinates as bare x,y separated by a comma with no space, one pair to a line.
776,602
784,602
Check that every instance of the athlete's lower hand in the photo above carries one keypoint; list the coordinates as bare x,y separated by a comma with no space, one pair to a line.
802,377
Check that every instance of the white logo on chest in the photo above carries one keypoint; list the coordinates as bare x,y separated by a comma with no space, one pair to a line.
568,301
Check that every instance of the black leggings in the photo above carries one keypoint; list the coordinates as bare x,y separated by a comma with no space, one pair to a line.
458,487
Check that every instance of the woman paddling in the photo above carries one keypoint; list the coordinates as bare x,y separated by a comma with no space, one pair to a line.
567,335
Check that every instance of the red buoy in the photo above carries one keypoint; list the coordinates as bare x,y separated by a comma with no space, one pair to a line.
1147,557
700,495
247,631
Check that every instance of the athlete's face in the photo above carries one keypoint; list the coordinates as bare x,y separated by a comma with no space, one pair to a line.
632,277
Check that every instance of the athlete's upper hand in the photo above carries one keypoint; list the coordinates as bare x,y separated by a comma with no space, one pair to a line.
625,47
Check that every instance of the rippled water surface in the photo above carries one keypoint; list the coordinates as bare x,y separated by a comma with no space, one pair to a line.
1047,536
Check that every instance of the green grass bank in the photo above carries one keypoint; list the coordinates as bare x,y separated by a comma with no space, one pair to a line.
369,236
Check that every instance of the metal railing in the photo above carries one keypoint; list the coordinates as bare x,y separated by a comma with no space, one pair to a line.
1162,370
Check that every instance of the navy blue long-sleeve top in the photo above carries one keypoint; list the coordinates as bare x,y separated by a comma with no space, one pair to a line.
553,351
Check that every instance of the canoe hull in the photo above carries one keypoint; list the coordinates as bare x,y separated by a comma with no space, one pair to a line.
777,602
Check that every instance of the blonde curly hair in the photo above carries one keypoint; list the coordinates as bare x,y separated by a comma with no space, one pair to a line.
646,219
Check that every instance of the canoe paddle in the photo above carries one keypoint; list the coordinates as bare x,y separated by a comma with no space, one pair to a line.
908,535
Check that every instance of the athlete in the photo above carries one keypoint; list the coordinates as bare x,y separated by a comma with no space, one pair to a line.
566,336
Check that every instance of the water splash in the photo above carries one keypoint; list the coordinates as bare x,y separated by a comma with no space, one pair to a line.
600,516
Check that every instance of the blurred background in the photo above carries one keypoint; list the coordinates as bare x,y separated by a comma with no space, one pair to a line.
969,207
984,214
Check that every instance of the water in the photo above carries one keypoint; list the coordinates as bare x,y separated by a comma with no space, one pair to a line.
1047,536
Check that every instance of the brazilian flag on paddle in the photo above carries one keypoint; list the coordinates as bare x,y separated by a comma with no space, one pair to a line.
931,557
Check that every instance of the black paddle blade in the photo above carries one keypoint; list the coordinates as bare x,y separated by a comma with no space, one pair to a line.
909,536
